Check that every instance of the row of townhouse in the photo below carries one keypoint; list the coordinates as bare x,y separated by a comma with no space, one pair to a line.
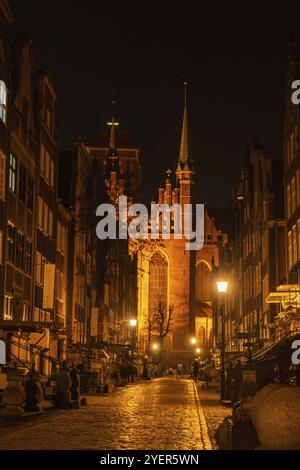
64,295
262,261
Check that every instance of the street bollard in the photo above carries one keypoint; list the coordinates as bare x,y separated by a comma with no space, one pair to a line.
249,386
34,395
236,382
75,387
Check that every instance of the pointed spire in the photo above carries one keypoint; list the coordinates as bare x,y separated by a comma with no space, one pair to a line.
112,140
184,151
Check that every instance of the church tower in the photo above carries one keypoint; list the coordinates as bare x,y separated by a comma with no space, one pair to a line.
167,270
185,174
114,180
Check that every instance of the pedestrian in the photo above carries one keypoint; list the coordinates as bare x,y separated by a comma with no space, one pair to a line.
195,370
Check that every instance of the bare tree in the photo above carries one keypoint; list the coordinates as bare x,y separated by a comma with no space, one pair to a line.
162,320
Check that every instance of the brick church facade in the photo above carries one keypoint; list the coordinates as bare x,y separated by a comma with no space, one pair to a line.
180,279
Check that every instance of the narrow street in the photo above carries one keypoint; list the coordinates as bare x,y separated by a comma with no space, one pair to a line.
163,414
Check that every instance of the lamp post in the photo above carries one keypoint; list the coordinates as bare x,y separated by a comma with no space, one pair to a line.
133,323
222,289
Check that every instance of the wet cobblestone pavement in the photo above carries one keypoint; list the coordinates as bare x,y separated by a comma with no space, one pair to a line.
214,412
162,414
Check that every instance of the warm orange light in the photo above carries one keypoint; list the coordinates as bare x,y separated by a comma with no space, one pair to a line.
133,322
193,341
222,287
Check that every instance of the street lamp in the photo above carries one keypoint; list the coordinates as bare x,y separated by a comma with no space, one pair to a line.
222,289
198,350
133,323
193,341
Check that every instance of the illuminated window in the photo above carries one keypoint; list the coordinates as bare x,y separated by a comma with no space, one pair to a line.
290,250
12,173
8,307
26,312
294,235
2,176
158,281
203,282
293,190
3,101
288,200
40,212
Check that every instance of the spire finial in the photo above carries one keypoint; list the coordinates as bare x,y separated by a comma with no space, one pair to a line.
183,154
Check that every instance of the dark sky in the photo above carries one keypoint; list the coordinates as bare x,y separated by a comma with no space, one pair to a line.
233,56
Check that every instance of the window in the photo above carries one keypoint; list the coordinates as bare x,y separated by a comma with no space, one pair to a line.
8,307
28,256
47,167
30,187
63,238
158,281
3,101
42,159
26,312
294,234
51,173
12,173
45,218
39,268
2,176
22,182
203,282
59,285
288,200
11,241
293,189
290,250
58,235
50,227
49,102
20,249
40,212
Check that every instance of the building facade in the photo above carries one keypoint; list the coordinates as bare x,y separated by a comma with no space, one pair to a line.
176,282
254,262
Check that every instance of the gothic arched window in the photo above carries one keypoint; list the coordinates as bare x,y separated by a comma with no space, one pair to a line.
158,281
203,282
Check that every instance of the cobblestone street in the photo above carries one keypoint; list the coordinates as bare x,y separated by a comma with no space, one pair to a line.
160,414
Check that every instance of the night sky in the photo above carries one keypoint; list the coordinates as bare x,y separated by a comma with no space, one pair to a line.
234,58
